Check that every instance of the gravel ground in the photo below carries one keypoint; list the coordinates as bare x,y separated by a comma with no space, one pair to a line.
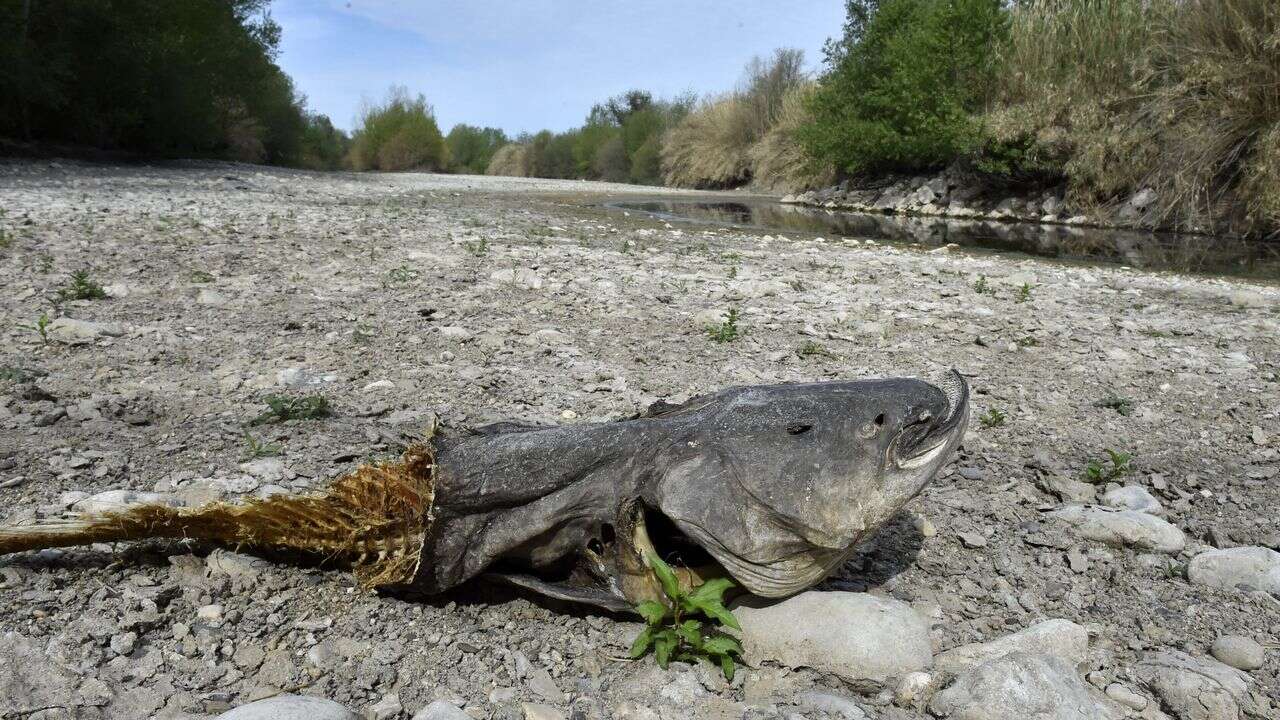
403,297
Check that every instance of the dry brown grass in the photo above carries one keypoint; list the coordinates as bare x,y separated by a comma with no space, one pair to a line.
710,147
510,160
1182,96
779,163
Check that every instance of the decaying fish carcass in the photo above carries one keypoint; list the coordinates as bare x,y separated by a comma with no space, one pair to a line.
772,485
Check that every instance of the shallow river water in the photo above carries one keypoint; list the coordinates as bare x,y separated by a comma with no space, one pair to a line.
1196,254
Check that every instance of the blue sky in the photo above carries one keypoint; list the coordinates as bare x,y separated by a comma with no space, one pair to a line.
533,64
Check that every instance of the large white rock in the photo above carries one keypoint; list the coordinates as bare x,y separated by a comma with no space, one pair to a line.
1255,568
1122,527
1060,638
76,332
853,635
1023,685
290,707
1195,688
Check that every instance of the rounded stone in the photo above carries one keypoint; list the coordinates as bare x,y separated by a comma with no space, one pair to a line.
1239,652
290,707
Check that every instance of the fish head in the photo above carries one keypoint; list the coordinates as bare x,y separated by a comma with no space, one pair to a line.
779,484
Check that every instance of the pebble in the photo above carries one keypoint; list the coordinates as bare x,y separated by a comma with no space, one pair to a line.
1239,652
1024,685
912,689
209,612
1058,638
1249,568
1133,497
853,635
379,385
441,710
535,711
124,643
1122,527
290,707
387,708
540,683
832,704
1126,696
303,378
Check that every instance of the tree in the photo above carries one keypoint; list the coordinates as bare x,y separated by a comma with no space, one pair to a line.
471,148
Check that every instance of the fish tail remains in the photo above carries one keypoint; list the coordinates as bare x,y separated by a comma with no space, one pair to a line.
374,519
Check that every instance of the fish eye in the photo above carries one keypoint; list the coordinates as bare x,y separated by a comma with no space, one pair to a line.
799,428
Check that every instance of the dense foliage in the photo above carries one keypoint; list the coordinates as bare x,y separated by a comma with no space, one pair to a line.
906,81
620,141
193,78
471,148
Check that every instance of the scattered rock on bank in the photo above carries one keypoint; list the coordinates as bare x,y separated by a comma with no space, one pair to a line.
1060,638
1024,685
1248,568
853,635
1122,527
290,707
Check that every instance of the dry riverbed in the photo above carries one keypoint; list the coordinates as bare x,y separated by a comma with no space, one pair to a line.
400,298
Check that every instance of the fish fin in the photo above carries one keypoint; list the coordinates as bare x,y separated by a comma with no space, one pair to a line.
375,519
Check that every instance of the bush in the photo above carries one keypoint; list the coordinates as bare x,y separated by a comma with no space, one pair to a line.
902,93
471,148
399,134
323,146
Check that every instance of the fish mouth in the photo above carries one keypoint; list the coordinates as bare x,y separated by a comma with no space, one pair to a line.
695,556
928,439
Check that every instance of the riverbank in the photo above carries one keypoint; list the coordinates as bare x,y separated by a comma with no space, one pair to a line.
402,298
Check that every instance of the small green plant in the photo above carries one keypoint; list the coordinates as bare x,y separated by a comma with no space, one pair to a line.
1027,341
17,374
82,287
728,330
479,248
733,272
1024,293
993,417
255,448
1116,464
46,264
813,349
41,326
673,630
363,335
403,274
281,408
797,284
981,286
200,276
1119,403
6,239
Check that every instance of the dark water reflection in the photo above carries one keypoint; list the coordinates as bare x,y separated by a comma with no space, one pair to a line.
1150,251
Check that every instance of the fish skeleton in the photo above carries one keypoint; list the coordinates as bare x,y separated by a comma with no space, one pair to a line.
773,486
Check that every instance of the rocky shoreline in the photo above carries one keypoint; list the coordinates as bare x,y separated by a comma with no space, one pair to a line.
956,195
1103,546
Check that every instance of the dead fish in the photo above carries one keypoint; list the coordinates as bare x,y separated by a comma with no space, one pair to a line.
773,486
